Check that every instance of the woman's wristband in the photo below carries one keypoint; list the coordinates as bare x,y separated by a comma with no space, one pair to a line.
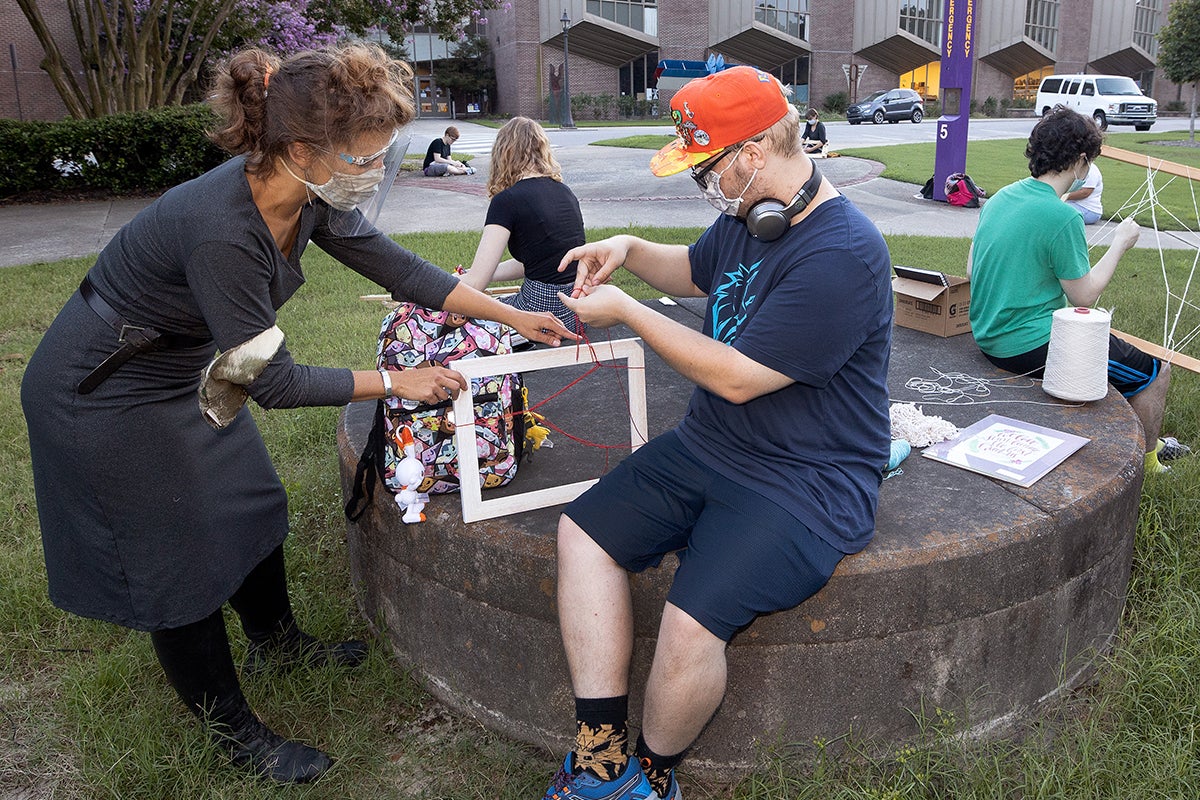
387,383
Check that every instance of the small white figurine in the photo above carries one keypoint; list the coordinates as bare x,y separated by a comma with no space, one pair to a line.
409,474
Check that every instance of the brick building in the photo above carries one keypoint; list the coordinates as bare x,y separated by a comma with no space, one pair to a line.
821,48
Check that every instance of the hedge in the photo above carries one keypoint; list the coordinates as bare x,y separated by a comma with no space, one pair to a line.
137,152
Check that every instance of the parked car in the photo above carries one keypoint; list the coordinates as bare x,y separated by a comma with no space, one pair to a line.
1108,99
892,105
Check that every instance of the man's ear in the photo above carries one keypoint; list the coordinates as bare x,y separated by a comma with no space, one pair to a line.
755,154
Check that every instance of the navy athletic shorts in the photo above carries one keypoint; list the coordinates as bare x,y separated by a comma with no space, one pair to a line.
740,554
1129,369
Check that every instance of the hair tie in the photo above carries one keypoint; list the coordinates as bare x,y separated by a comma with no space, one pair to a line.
266,82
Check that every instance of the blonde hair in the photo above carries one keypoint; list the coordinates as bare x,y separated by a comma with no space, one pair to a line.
324,99
521,149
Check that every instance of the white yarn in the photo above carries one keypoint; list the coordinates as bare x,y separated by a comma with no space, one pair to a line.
909,424
1077,358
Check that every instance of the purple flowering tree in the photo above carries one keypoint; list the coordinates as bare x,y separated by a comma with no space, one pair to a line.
140,54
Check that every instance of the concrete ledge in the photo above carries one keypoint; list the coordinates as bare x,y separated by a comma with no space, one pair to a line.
975,596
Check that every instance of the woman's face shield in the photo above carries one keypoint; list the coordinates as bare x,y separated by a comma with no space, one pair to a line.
393,156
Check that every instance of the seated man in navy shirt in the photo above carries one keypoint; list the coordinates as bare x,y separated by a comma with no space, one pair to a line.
773,474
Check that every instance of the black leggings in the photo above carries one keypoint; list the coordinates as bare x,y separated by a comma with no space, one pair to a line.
196,656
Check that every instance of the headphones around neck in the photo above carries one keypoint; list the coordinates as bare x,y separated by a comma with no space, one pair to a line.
768,219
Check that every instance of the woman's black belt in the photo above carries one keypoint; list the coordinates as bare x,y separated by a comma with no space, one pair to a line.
133,339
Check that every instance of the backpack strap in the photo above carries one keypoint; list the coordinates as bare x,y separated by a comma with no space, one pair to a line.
369,471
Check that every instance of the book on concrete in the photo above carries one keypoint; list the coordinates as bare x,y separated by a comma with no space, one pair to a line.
1008,449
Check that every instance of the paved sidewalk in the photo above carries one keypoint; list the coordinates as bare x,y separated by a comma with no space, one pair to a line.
614,186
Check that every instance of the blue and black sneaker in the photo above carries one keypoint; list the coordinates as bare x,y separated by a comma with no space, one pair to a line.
631,784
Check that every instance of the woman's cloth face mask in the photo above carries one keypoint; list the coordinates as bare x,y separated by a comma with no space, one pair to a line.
344,191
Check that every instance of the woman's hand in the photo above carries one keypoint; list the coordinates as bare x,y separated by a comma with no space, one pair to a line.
541,327
427,384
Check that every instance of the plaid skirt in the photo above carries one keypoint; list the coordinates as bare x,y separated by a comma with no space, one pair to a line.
539,296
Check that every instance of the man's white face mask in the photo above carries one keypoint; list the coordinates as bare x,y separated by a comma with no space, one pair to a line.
710,187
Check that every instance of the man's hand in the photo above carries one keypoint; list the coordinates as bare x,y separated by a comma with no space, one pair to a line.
597,261
602,306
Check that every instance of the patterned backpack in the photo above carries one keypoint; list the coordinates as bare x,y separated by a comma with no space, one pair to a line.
413,337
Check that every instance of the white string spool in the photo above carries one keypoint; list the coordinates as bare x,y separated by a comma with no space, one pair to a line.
1077,359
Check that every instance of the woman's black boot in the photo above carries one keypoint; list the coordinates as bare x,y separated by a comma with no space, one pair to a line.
252,745
198,664
275,638
289,647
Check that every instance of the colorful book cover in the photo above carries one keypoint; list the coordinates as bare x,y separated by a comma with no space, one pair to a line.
1008,449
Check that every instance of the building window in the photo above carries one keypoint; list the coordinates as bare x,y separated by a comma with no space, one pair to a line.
788,16
923,19
925,80
1041,23
641,15
1145,26
634,78
1025,87
794,74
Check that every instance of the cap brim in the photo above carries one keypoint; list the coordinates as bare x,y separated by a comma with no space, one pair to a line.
675,158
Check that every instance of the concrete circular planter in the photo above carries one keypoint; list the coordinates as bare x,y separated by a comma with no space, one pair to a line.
976,596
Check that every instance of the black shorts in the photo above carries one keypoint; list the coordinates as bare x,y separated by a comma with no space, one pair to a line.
740,554
1129,369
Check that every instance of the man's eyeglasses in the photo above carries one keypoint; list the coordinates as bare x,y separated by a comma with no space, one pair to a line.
700,174
362,161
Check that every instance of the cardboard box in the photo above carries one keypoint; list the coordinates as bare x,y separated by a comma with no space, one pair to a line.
931,301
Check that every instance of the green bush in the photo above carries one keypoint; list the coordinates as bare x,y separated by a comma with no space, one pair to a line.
143,151
1176,105
837,102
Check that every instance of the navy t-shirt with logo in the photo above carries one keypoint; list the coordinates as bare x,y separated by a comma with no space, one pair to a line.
815,305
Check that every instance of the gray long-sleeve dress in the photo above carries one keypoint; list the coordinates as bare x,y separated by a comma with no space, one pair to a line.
150,518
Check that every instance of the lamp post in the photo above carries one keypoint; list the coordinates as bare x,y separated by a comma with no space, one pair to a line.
567,120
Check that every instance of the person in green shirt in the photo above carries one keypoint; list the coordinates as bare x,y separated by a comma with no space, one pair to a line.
1030,258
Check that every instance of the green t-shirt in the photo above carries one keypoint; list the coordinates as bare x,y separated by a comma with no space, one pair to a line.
1027,240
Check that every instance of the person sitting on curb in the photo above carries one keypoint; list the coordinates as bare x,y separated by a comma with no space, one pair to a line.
437,158
1086,198
814,139
1030,258
796,340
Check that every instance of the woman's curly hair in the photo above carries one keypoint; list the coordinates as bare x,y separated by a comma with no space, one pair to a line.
521,149
1059,139
325,99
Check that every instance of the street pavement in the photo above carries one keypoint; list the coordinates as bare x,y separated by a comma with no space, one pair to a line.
614,186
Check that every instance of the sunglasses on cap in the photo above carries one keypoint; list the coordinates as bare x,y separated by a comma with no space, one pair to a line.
362,161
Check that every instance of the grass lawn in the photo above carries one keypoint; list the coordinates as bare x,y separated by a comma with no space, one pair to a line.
86,713
995,163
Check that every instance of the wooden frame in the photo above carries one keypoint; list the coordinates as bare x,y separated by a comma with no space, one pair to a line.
474,507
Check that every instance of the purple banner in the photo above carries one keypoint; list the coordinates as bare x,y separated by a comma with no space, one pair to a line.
958,65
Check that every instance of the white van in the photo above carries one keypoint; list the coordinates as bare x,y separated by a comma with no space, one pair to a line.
1108,99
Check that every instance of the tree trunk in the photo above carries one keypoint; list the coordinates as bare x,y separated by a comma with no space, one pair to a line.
1192,116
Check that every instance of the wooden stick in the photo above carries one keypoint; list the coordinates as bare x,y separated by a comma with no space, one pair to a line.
1158,351
1143,160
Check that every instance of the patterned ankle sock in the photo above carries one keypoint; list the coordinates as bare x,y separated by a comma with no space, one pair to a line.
658,768
601,735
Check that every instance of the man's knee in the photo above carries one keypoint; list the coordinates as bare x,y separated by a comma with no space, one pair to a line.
574,541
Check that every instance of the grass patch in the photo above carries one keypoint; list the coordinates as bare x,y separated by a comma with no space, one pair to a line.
87,714
642,141
995,163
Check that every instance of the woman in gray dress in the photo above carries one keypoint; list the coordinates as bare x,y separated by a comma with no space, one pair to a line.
155,515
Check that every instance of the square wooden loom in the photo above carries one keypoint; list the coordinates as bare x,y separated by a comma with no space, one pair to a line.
474,507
